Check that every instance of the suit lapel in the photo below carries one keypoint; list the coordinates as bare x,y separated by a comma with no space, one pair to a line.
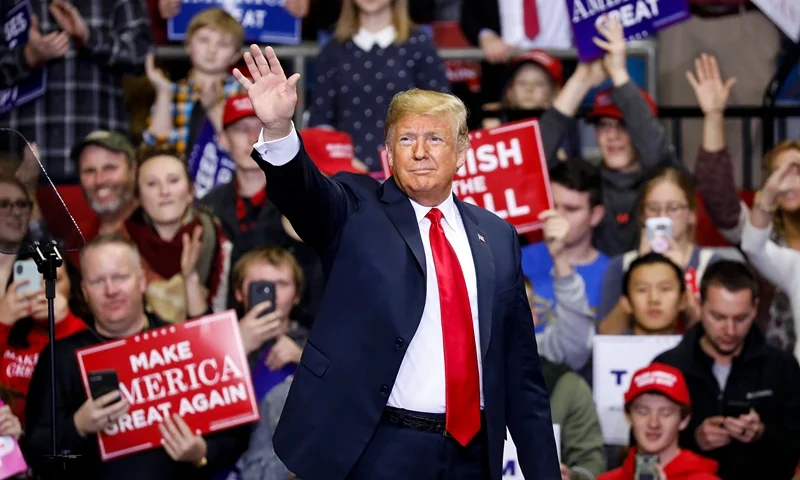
484,272
401,213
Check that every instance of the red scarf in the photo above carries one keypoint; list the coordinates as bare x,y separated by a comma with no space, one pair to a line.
162,256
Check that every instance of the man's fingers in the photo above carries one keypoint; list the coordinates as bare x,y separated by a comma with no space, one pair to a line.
243,81
274,64
692,80
292,82
107,399
730,83
261,63
250,61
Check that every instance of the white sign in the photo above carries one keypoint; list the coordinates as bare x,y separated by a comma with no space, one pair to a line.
783,13
615,359
511,469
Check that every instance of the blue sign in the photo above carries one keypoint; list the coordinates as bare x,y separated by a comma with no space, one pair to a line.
640,19
15,32
264,21
209,164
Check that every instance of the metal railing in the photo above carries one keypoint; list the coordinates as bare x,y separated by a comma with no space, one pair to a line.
299,54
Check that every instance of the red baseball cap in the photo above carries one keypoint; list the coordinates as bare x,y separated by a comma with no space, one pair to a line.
331,150
237,108
604,106
549,63
659,378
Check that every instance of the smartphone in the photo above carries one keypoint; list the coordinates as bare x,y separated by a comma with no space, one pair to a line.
261,291
659,231
27,270
646,467
102,382
734,408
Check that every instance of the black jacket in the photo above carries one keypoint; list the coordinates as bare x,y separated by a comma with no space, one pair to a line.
224,448
222,203
762,375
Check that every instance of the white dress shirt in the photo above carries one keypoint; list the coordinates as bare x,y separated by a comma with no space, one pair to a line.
384,37
420,382
555,26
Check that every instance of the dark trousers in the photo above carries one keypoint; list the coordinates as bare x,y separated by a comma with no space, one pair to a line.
406,454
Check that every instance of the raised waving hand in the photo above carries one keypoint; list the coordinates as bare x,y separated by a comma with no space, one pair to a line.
273,96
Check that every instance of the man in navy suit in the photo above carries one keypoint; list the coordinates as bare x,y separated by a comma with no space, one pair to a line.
423,350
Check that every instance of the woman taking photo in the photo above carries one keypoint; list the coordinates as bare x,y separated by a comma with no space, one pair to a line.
184,254
375,54
669,196
24,322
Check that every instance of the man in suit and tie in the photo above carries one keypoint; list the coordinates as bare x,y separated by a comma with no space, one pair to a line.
423,350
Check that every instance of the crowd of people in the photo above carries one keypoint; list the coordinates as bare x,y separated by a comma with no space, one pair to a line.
162,249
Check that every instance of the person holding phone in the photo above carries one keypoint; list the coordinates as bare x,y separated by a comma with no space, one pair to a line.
268,284
745,393
114,284
658,408
667,210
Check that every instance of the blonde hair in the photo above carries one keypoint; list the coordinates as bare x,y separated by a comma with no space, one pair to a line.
275,256
114,238
427,102
681,180
217,19
348,24
767,167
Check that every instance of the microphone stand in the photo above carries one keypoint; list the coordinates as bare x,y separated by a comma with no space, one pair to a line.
48,259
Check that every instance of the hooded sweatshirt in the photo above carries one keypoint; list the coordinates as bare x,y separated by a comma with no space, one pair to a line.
686,465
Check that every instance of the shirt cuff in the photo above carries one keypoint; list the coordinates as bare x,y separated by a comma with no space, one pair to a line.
754,238
278,152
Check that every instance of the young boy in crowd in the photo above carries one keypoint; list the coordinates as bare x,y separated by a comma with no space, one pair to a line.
654,294
658,408
577,198
533,80
213,43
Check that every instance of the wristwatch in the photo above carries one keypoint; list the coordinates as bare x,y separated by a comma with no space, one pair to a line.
762,206
201,463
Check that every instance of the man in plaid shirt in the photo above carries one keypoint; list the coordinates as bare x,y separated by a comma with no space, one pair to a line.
86,46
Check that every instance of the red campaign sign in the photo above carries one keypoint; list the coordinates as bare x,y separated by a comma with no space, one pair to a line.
505,173
197,369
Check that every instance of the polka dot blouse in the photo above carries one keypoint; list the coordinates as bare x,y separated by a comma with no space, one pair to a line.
353,88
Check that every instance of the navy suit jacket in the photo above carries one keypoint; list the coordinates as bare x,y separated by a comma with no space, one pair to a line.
367,236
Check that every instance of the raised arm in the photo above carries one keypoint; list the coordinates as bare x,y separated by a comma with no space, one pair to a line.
647,134
315,205
555,123
780,265
714,167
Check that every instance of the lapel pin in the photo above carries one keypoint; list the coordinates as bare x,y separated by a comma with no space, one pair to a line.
480,237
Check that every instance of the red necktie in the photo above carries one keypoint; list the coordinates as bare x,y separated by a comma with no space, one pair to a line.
531,18
462,389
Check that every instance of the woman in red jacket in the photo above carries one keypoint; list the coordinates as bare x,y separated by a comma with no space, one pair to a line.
23,316
658,407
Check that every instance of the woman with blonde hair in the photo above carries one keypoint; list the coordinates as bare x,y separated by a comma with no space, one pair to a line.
771,234
668,199
376,52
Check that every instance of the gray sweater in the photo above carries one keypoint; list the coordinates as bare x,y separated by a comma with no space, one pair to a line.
568,340
620,189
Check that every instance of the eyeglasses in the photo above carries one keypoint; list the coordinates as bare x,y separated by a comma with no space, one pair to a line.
22,206
671,209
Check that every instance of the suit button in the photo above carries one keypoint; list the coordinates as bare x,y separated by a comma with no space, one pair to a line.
399,342
384,389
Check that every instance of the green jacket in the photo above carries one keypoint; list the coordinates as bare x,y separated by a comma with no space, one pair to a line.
572,408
